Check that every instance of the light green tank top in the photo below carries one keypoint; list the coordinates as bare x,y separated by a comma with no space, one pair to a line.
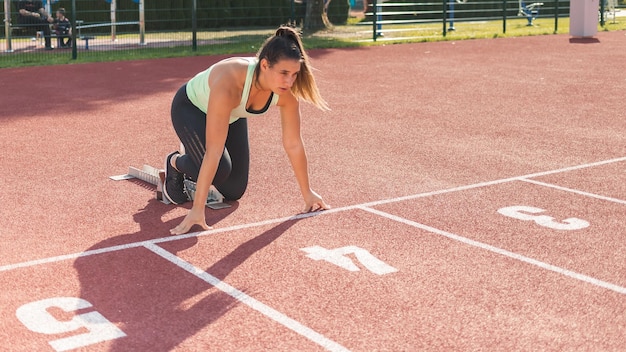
198,91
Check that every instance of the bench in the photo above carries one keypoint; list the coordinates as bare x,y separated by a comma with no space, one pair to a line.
86,38
80,25
21,30
530,11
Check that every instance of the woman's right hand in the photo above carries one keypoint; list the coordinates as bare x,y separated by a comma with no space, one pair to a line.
194,217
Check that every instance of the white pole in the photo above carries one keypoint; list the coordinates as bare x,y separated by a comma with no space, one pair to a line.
113,20
7,24
142,24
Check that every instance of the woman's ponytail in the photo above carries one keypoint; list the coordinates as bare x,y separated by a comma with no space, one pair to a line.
287,44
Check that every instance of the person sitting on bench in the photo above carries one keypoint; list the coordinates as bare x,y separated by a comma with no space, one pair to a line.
32,14
63,29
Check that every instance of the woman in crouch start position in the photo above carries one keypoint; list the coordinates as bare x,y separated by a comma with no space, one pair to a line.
209,114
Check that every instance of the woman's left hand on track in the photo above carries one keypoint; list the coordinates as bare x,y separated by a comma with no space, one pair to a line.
314,202
194,217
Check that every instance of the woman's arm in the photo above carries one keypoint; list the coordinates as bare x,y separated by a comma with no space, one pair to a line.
224,98
294,147
218,115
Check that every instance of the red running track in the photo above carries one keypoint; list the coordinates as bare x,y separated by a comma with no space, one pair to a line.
478,190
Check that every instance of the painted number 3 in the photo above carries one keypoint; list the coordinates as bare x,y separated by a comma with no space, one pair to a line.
35,316
527,213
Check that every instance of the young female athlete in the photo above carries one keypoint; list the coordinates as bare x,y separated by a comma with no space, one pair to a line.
210,112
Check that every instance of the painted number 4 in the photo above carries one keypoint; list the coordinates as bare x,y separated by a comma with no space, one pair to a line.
527,213
338,257
35,316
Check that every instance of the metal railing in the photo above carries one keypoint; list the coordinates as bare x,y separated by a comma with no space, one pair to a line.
447,12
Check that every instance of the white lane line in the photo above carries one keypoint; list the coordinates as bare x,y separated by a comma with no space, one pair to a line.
143,243
302,216
576,167
571,190
248,300
504,252
494,182
70,256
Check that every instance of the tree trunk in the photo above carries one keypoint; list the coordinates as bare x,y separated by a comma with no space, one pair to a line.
316,18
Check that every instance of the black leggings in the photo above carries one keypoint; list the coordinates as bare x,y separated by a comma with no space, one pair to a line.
231,178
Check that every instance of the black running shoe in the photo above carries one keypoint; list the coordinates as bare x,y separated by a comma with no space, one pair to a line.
174,185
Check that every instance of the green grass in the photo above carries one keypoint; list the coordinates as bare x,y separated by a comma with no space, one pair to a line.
248,41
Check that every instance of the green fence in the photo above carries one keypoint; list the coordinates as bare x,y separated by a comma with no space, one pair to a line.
383,15
129,26
94,20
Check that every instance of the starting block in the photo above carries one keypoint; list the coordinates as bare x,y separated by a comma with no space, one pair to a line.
156,177
215,200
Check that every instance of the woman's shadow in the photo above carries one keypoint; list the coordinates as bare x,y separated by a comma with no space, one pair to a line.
159,305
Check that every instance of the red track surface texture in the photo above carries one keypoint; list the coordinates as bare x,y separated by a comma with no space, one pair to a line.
479,193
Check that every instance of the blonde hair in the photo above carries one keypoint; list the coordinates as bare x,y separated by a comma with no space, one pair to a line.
286,44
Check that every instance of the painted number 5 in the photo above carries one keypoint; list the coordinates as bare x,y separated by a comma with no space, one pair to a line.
35,316
527,213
